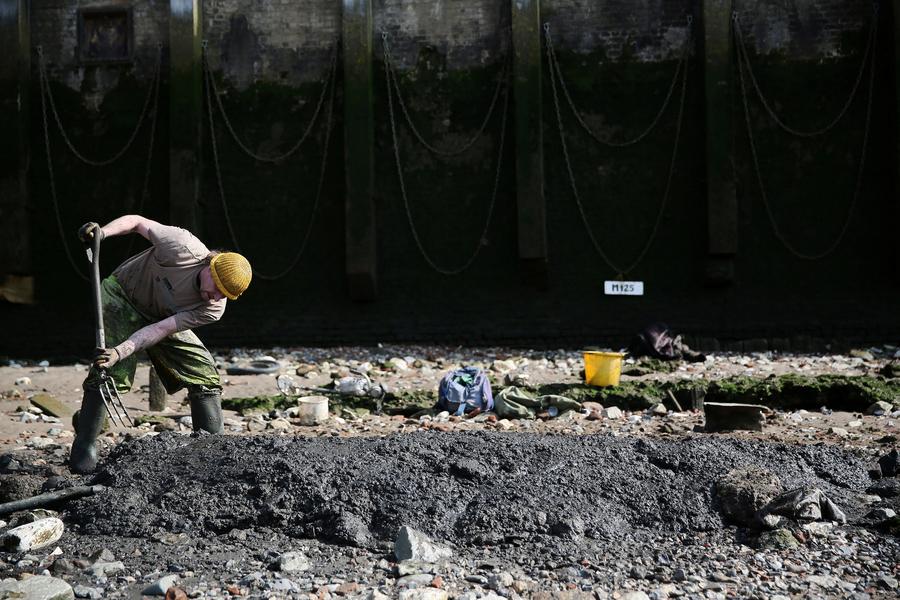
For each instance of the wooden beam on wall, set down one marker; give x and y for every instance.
(531, 208)
(721, 198)
(896, 216)
(15, 151)
(359, 151)
(185, 113)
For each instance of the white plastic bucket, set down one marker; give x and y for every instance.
(313, 410)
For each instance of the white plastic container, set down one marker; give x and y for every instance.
(313, 410)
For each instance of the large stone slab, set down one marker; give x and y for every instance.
(52, 406)
(731, 416)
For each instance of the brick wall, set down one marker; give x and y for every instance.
(803, 29)
(54, 25)
(287, 43)
(284, 41)
(467, 33)
(642, 30)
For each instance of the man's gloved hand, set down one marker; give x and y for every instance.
(87, 232)
(105, 358)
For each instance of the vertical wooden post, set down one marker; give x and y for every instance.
(359, 151)
(157, 392)
(16, 283)
(721, 198)
(896, 216)
(532, 211)
(185, 113)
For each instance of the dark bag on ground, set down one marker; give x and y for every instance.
(658, 341)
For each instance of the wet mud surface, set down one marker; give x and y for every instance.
(465, 489)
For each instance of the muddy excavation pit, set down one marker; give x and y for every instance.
(579, 513)
(465, 489)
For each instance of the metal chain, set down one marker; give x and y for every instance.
(856, 190)
(572, 183)
(744, 56)
(145, 188)
(62, 234)
(262, 158)
(682, 64)
(117, 155)
(319, 186)
(45, 95)
(482, 237)
(389, 64)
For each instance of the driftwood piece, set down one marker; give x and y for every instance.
(32, 536)
(49, 498)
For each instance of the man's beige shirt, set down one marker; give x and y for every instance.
(163, 280)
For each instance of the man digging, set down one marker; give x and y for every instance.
(151, 302)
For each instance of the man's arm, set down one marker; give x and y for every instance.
(129, 224)
(140, 340)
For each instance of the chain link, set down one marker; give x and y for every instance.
(117, 155)
(562, 137)
(682, 64)
(319, 186)
(44, 86)
(145, 189)
(389, 64)
(482, 238)
(262, 158)
(762, 188)
(744, 57)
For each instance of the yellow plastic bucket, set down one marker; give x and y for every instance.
(602, 368)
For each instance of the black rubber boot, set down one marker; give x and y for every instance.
(83, 458)
(206, 408)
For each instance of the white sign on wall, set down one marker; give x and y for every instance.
(623, 288)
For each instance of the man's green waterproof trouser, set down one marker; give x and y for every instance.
(181, 360)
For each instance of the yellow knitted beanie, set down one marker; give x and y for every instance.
(231, 272)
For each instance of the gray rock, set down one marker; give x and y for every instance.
(780, 539)
(890, 464)
(415, 545)
(612, 412)
(83, 591)
(160, 586)
(633, 596)
(879, 408)
(105, 569)
(882, 514)
(38, 587)
(500, 581)
(420, 580)
(414, 567)
(291, 562)
(743, 492)
(887, 582)
(103, 555)
(62, 565)
(428, 593)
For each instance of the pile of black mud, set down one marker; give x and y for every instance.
(464, 488)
